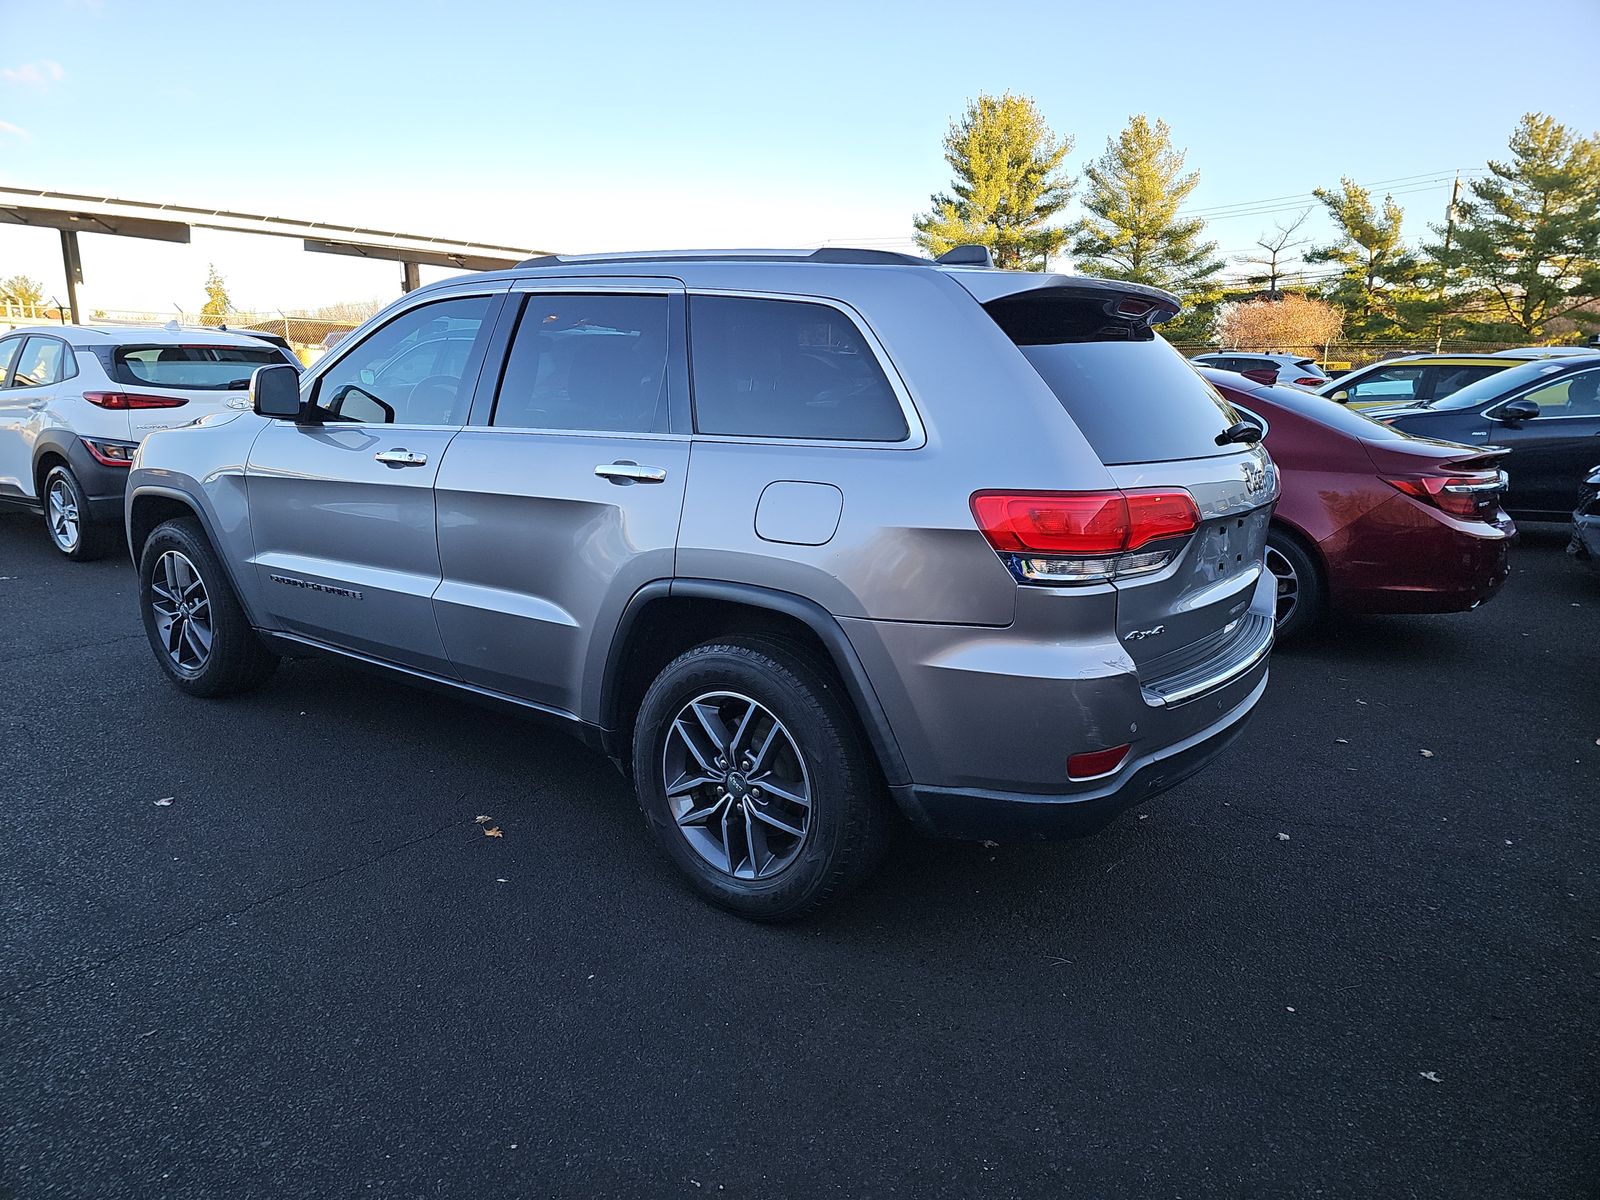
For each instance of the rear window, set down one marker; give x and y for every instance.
(203, 368)
(1133, 396)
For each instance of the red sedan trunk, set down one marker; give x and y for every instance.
(1380, 521)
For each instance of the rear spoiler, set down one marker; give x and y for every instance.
(1128, 300)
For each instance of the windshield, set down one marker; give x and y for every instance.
(1493, 387)
(201, 368)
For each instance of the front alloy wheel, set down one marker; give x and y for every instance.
(62, 513)
(182, 612)
(737, 785)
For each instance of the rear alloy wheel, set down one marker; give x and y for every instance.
(1299, 582)
(755, 779)
(199, 632)
(66, 517)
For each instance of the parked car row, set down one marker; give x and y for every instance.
(797, 539)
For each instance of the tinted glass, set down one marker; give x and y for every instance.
(1448, 380)
(787, 369)
(39, 363)
(1311, 406)
(1498, 385)
(587, 362)
(1133, 396)
(8, 352)
(200, 367)
(410, 371)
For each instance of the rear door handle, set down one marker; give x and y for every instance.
(38, 405)
(400, 458)
(624, 471)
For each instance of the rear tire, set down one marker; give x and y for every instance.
(760, 728)
(66, 518)
(1302, 590)
(199, 632)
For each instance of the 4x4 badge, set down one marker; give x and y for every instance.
(1138, 635)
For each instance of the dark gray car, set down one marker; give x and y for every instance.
(791, 536)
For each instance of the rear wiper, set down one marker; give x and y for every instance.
(1240, 431)
(238, 385)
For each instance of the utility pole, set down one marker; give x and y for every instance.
(1449, 231)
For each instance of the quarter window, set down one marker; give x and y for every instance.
(1395, 383)
(39, 363)
(787, 369)
(411, 371)
(596, 362)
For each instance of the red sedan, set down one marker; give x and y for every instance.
(1371, 519)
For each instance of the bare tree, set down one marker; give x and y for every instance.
(1277, 247)
(1291, 324)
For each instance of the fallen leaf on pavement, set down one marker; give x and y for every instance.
(1427, 754)
(483, 820)
(1431, 1076)
(1283, 837)
(493, 831)
(1342, 741)
(165, 802)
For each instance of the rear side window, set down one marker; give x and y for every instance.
(787, 369)
(200, 367)
(1133, 396)
(587, 362)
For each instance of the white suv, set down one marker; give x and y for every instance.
(76, 401)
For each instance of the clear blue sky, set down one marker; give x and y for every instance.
(625, 125)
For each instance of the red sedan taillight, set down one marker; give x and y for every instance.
(1085, 537)
(1473, 497)
(123, 400)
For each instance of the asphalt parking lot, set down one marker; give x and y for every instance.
(312, 974)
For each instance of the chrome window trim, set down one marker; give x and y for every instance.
(916, 433)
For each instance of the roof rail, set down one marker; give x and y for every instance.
(828, 254)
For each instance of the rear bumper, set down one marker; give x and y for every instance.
(104, 486)
(1015, 816)
(1404, 558)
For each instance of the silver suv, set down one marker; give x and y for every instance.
(796, 538)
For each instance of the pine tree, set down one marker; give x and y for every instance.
(23, 291)
(1526, 249)
(1376, 271)
(1008, 184)
(215, 310)
(1133, 231)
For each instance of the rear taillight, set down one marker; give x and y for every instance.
(1470, 496)
(1310, 381)
(132, 400)
(1085, 537)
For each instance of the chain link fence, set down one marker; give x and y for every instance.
(1345, 355)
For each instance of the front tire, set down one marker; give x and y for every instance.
(754, 778)
(1302, 591)
(199, 632)
(67, 520)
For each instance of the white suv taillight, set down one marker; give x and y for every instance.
(1085, 537)
(121, 400)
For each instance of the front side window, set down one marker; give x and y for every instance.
(596, 362)
(787, 369)
(196, 367)
(1392, 383)
(1451, 379)
(8, 354)
(1574, 396)
(39, 363)
(410, 371)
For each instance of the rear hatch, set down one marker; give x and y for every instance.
(163, 386)
(1184, 604)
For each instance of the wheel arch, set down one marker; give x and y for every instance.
(149, 505)
(666, 617)
(1313, 550)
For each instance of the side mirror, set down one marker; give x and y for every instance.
(275, 392)
(1342, 396)
(1517, 412)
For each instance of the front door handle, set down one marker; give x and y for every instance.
(624, 471)
(400, 458)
